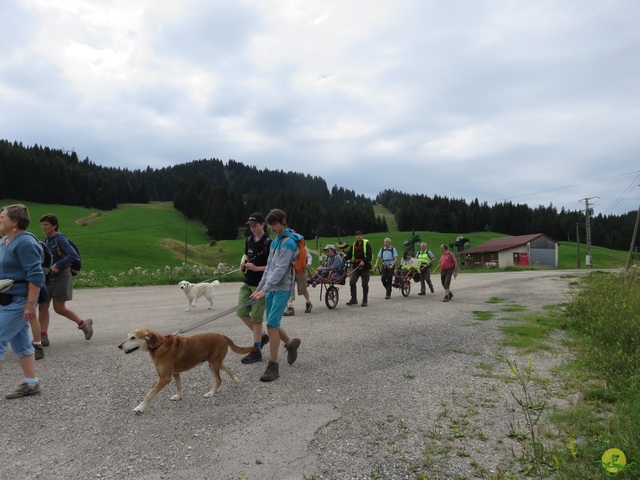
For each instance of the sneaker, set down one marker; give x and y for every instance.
(364, 303)
(264, 340)
(431, 288)
(353, 301)
(450, 295)
(446, 298)
(308, 307)
(289, 312)
(39, 351)
(387, 297)
(422, 293)
(45, 340)
(271, 373)
(24, 390)
(87, 328)
(292, 350)
(253, 357)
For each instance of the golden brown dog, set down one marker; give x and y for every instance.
(173, 354)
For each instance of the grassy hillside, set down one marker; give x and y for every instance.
(380, 211)
(152, 237)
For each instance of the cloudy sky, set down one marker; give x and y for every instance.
(534, 102)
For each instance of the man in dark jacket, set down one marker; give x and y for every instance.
(360, 254)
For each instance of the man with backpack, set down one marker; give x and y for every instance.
(360, 255)
(389, 257)
(276, 286)
(301, 283)
(256, 253)
(59, 281)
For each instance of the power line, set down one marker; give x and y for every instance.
(622, 195)
(567, 186)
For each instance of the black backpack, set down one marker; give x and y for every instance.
(76, 265)
(47, 256)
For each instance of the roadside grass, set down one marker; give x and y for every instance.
(600, 385)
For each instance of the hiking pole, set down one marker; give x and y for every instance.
(216, 316)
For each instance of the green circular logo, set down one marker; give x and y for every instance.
(614, 461)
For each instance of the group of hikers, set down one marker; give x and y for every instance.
(270, 282)
(269, 278)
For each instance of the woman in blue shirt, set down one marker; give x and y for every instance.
(21, 261)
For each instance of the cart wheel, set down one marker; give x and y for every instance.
(331, 297)
(406, 288)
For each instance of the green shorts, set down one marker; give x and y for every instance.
(255, 311)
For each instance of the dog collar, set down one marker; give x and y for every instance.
(166, 340)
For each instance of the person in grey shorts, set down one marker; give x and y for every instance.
(59, 281)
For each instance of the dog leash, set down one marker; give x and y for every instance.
(215, 317)
(222, 274)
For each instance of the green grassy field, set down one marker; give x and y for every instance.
(153, 237)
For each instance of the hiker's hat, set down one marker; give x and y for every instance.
(256, 217)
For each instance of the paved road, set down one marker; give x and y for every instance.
(371, 390)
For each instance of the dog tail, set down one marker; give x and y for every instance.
(215, 283)
(236, 348)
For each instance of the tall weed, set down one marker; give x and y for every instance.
(606, 309)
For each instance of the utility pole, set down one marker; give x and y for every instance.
(588, 211)
(633, 239)
(578, 242)
(186, 238)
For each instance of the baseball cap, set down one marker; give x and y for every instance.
(256, 217)
(330, 246)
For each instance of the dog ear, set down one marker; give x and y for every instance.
(152, 340)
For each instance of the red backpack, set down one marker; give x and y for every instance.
(301, 262)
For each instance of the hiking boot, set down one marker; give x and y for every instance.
(422, 293)
(308, 307)
(24, 390)
(253, 357)
(264, 340)
(292, 350)
(271, 373)
(289, 312)
(87, 328)
(44, 340)
(353, 301)
(39, 351)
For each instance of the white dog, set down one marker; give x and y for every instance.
(194, 291)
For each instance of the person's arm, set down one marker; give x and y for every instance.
(378, 259)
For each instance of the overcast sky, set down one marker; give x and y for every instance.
(534, 102)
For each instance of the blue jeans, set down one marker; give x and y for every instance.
(14, 329)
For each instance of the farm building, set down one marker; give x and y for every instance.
(536, 250)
